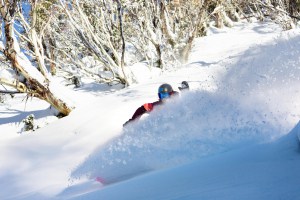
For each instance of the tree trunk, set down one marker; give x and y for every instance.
(52, 57)
(176, 3)
(37, 84)
(187, 49)
(123, 42)
(40, 90)
(159, 55)
(199, 25)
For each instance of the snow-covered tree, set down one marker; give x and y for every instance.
(167, 27)
(284, 12)
(31, 74)
(89, 38)
(96, 28)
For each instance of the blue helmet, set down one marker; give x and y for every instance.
(165, 91)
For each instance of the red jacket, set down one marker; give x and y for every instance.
(146, 108)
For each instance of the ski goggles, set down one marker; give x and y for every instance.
(163, 95)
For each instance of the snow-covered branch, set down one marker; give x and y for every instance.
(35, 81)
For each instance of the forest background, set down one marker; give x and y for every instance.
(100, 39)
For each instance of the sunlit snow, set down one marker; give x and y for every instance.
(232, 136)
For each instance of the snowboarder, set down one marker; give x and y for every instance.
(165, 91)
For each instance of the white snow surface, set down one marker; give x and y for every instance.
(234, 135)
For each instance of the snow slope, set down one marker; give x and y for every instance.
(266, 171)
(229, 137)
